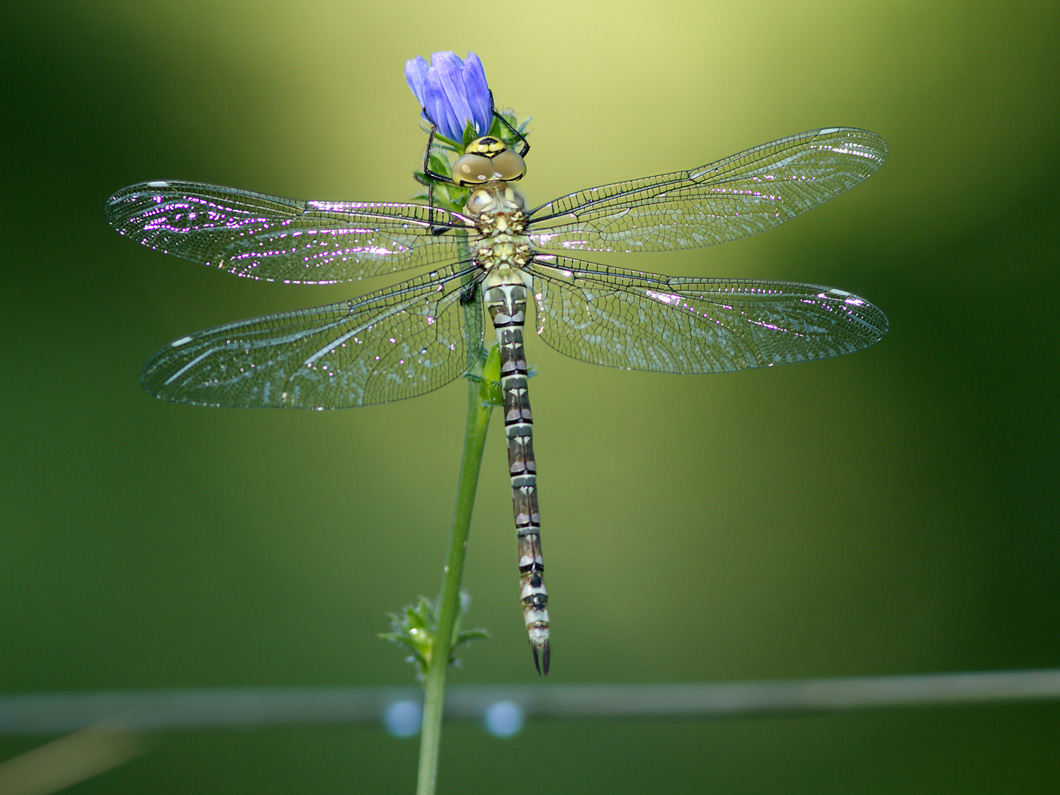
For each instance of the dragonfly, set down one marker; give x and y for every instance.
(495, 258)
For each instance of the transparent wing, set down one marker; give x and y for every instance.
(643, 321)
(386, 346)
(285, 240)
(739, 196)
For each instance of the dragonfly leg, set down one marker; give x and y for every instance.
(427, 173)
(525, 143)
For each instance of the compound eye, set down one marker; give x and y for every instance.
(472, 170)
(508, 165)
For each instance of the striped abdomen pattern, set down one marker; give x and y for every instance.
(506, 303)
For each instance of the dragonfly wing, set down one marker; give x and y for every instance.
(642, 321)
(739, 196)
(286, 240)
(385, 346)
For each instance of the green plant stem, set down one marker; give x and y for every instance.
(478, 415)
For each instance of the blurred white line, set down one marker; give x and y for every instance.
(47, 713)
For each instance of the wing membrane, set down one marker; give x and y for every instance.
(643, 321)
(739, 196)
(389, 345)
(276, 239)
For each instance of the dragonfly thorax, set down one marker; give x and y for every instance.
(497, 207)
(500, 219)
(487, 159)
(504, 254)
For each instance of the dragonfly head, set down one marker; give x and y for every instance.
(487, 159)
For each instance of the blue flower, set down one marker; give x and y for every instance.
(452, 92)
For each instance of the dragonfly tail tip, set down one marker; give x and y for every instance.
(541, 657)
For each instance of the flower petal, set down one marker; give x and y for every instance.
(416, 75)
(452, 92)
(478, 94)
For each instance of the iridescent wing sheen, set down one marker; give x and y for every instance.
(285, 240)
(388, 345)
(644, 321)
(739, 196)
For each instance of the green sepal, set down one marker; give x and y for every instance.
(440, 166)
(470, 134)
(450, 197)
(447, 143)
(415, 626)
(487, 374)
(490, 386)
(498, 130)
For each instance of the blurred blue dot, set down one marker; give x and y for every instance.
(504, 719)
(403, 718)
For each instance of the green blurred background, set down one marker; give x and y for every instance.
(883, 513)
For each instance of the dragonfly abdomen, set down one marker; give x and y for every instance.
(506, 303)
